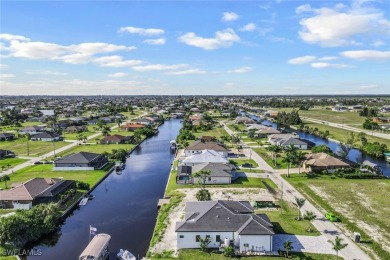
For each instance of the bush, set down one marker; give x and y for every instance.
(229, 251)
(203, 195)
(82, 185)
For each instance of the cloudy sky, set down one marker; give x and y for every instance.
(195, 47)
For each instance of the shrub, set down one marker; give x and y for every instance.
(229, 251)
(203, 195)
(82, 185)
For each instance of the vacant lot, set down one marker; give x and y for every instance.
(31, 148)
(363, 206)
(10, 162)
(217, 132)
(96, 148)
(46, 171)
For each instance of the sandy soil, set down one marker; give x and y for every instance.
(168, 241)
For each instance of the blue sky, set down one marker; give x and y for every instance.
(194, 47)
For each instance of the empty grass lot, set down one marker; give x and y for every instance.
(362, 206)
(217, 132)
(36, 148)
(96, 148)
(46, 171)
(11, 162)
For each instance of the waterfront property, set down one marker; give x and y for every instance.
(205, 156)
(226, 223)
(286, 140)
(220, 173)
(132, 126)
(199, 146)
(34, 191)
(81, 161)
(97, 249)
(116, 139)
(317, 162)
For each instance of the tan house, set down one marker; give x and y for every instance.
(317, 162)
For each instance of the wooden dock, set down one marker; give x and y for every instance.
(162, 202)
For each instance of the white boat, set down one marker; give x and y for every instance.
(125, 255)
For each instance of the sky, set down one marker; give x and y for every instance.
(277, 47)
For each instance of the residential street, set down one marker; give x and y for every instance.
(327, 228)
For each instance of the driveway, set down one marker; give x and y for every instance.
(309, 244)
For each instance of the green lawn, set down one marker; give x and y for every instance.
(73, 136)
(113, 132)
(217, 132)
(284, 221)
(136, 113)
(36, 148)
(267, 157)
(359, 203)
(196, 254)
(46, 171)
(11, 161)
(96, 148)
(240, 162)
(6, 211)
(240, 127)
(171, 186)
(5, 250)
(342, 135)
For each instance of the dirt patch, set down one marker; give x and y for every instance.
(168, 242)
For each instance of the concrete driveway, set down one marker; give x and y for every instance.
(309, 244)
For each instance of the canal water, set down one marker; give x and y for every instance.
(125, 206)
(354, 155)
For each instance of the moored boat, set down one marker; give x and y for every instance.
(125, 255)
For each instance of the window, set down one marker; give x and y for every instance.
(197, 239)
(207, 236)
(218, 238)
(246, 245)
(181, 236)
(209, 178)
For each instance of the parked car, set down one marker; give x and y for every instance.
(331, 217)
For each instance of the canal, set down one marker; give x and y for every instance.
(354, 155)
(125, 206)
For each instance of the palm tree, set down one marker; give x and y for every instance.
(259, 142)
(288, 247)
(299, 158)
(309, 216)
(225, 138)
(5, 178)
(202, 175)
(235, 139)
(289, 158)
(275, 149)
(119, 121)
(106, 130)
(337, 245)
(299, 202)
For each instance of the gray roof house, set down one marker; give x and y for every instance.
(199, 146)
(46, 137)
(220, 173)
(7, 136)
(226, 223)
(80, 162)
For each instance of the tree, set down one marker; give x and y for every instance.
(288, 247)
(337, 245)
(202, 175)
(275, 149)
(259, 142)
(5, 178)
(299, 202)
(204, 243)
(309, 216)
(363, 138)
(119, 121)
(299, 158)
(251, 133)
(106, 130)
(203, 195)
(228, 251)
(289, 158)
(235, 139)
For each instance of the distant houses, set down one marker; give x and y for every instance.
(116, 139)
(7, 137)
(6, 154)
(32, 130)
(46, 137)
(132, 126)
(34, 191)
(82, 161)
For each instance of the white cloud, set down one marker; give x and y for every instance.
(229, 16)
(116, 61)
(141, 31)
(76, 58)
(12, 37)
(223, 38)
(7, 76)
(303, 8)
(241, 70)
(45, 72)
(250, 27)
(117, 75)
(159, 67)
(99, 47)
(368, 86)
(3, 66)
(326, 58)
(378, 43)
(186, 72)
(36, 50)
(324, 65)
(159, 41)
(333, 27)
(367, 55)
(302, 60)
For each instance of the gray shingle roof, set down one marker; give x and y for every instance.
(199, 145)
(224, 216)
(81, 157)
(216, 169)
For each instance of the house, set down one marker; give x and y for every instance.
(288, 141)
(116, 139)
(195, 117)
(37, 190)
(275, 137)
(220, 173)
(381, 119)
(132, 126)
(317, 162)
(46, 137)
(32, 130)
(6, 154)
(81, 161)
(245, 120)
(7, 137)
(144, 121)
(76, 129)
(199, 146)
(204, 156)
(226, 223)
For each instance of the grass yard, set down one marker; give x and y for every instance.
(342, 135)
(137, 112)
(217, 132)
(267, 156)
(11, 162)
(96, 148)
(240, 162)
(113, 132)
(284, 220)
(5, 251)
(361, 205)
(36, 148)
(240, 127)
(196, 254)
(6, 211)
(46, 171)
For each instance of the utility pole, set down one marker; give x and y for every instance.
(250, 160)
(28, 148)
(54, 148)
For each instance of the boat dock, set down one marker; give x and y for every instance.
(162, 202)
(83, 202)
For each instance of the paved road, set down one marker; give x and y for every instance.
(346, 127)
(32, 160)
(327, 228)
